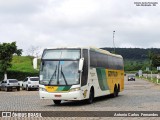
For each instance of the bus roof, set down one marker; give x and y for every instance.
(105, 52)
(90, 48)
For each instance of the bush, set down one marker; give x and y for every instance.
(1, 76)
(19, 75)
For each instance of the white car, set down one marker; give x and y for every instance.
(30, 83)
(9, 84)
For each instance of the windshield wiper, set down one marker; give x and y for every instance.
(64, 76)
(54, 74)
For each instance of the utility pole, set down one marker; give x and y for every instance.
(113, 42)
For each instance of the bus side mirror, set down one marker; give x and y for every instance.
(42, 64)
(81, 61)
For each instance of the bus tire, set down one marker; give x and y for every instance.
(57, 102)
(115, 93)
(91, 96)
(118, 90)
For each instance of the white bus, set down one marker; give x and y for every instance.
(80, 74)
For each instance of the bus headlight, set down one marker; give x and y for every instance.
(42, 89)
(74, 89)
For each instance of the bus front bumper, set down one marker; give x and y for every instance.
(75, 95)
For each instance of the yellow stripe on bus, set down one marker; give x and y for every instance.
(51, 88)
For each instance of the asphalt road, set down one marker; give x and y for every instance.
(139, 95)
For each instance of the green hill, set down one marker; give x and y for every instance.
(135, 58)
(22, 63)
(134, 53)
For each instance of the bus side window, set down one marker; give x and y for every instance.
(85, 68)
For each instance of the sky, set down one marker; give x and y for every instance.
(80, 23)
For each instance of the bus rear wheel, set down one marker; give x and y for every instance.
(115, 93)
(57, 102)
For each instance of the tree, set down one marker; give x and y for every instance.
(33, 51)
(156, 60)
(7, 50)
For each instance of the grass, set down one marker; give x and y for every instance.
(22, 63)
(154, 80)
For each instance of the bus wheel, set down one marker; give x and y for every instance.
(118, 90)
(115, 93)
(91, 96)
(57, 102)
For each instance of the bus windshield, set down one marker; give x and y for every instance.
(59, 72)
(61, 54)
(60, 67)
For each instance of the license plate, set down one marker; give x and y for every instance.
(57, 95)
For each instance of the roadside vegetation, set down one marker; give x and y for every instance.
(7, 50)
(13, 65)
(22, 67)
(22, 63)
(153, 79)
(136, 59)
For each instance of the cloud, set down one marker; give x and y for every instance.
(55, 23)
